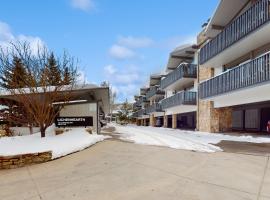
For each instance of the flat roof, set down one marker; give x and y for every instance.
(89, 92)
(155, 79)
(183, 53)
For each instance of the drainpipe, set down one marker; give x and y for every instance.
(97, 118)
(198, 92)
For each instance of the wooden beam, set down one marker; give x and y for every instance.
(217, 27)
(182, 57)
(190, 52)
(155, 78)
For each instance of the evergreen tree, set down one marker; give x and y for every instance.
(66, 76)
(19, 75)
(125, 112)
(16, 77)
(54, 76)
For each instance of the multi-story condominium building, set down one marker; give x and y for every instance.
(139, 107)
(179, 84)
(234, 68)
(149, 111)
(170, 99)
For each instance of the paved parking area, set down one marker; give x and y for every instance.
(116, 170)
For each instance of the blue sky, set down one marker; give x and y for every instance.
(121, 41)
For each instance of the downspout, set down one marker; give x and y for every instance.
(97, 118)
(198, 91)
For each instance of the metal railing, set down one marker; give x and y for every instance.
(184, 70)
(153, 108)
(250, 20)
(181, 98)
(139, 102)
(248, 74)
(139, 113)
(155, 90)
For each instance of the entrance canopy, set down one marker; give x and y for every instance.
(89, 93)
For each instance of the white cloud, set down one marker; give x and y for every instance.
(82, 78)
(84, 5)
(6, 37)
(176, 41)
(124, 48)
(121, 52)
(135, 42)
(125, 82)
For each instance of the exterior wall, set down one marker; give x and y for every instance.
(165, 121)
(81, 110)
(213, 120)
(210, 119)
(20, 131)
(152, 120)
(174, 121)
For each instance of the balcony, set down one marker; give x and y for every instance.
(139, 113)
(154, 91)
(139, 102)
(252, 74)
(181, 76)
(239, 29)
(153, 108)
(181, 98)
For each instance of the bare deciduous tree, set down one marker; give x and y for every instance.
(38, 96)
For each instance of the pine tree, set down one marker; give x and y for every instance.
(66, 76)
(16, 77)
(19, 75)
(54, 77)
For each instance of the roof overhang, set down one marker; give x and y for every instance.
(155, 79)
(143, 91)
(88, 93)
(184, 53)
(224, 13)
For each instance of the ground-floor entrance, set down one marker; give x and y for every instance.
(180, 121)
(186, 120)
(251, 117)
(169, 122)
(159, 121)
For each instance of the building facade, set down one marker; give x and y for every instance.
(220, 84)
(170, 98)
(234, 68)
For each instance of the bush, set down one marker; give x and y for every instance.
(89, 130)
(59, 131)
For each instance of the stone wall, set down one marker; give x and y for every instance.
(212, 119)
(152, 120)
(205, 73)
(165, 121)
(174, 121)
(11, 162)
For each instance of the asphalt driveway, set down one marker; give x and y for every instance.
(120, 170)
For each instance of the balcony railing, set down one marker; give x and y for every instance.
(253, 18)
(153, 108)
(139, 102)
(139, 113)
(248, 74)
(154, 91)
(183, 71)
(181, 98)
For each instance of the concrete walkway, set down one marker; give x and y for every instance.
(119, 170)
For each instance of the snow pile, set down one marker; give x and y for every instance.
(71, 141)
(180, 139)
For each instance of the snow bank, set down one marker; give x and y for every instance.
(180, 139)
(71, 141)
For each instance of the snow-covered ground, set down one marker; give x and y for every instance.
(71, 141)
(180, 139)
